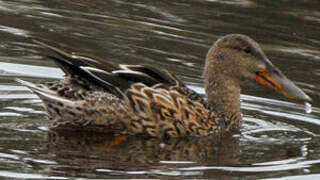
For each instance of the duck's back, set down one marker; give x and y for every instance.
(123, 99)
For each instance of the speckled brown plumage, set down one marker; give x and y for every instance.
(140, 99)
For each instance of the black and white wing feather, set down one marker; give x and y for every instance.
(115, 79)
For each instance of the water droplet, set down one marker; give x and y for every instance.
(162, 145)
(308, 108)
(306, 171)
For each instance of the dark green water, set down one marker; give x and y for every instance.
(278, 139)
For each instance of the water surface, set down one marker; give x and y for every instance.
(278, 139)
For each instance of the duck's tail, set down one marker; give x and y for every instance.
(62, 112)
(45, 93)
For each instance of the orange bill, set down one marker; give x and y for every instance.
(277, 81)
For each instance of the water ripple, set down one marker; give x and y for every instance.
(14, 31)
(277, 138)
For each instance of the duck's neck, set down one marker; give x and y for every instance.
(224, 99)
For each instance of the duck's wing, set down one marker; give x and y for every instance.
(115, 79)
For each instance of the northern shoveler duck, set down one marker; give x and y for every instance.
(141, 99)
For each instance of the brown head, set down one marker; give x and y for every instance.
(238, 58)
(234, 59)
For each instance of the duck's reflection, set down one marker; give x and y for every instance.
(131, 149)
(91, 155)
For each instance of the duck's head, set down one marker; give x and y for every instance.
(238, 58)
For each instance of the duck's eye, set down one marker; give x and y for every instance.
(247, 50)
